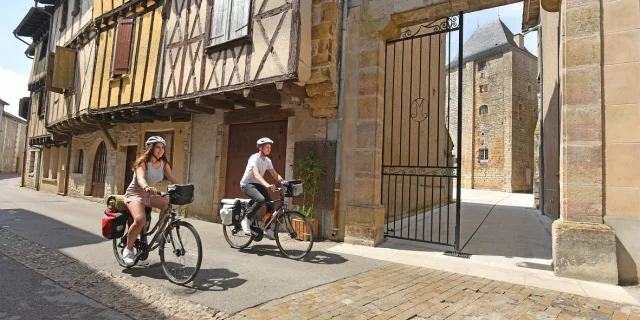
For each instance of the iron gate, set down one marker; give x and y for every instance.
(420, 134)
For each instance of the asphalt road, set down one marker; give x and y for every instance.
(229, 280)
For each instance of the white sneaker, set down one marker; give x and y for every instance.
(128, 257)
(269, 235)
(245, 223)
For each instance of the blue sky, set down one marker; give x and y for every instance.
(15, 67)
(511, 15)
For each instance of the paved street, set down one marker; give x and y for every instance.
(55, 252)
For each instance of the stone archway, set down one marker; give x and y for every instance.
(98, 167)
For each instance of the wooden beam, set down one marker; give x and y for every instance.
(240, 100)
(291, 89)
(206, 102)
(257, 115)
(107, 136)
(148, 115)
(117, 117)
(262, 96)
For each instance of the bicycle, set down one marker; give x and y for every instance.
(285, 234)
(169, 234)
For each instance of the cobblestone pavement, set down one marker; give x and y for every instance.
(390, 292)
(406, 292)
(136, 300)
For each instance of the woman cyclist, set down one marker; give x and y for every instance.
(149, 169)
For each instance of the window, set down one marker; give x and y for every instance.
(122, 47)
(80, 161)
(6, 163)
(482, 65)
(520, 111)
(41, 107)
(43, 48)
(32, 161)
(76, 7)
(231, 20)
(9, 142)
(484, 109)
(529, 88)
(484, 87)
(63, 15)
(484, 155)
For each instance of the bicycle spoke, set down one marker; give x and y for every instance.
(294, 235)
(182, 260)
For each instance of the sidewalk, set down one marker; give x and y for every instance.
(58, 237)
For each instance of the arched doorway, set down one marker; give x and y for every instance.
(99, 171)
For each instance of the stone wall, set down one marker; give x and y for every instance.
(30, 178)
(524, 92)
(322, 88)
(621, 59)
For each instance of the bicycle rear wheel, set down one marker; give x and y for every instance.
(118, 246)
(183, 257)
(294, 234)
(235, 237)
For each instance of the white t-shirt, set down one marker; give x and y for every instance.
(255, 161)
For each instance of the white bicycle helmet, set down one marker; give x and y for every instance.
(264, 140)
(153, 140)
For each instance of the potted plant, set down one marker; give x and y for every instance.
(310, 171)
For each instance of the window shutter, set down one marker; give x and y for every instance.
(219, 27)
(240, 14)
(64, 70)
(23, 110)
(50, 71)
(76, 7)
(122, 49)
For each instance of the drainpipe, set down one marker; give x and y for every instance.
(25, 54)
(343, 40)
(26, 143)
(541, 106)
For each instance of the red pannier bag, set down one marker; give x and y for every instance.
(114, 224)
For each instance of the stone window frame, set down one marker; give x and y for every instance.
(483, 155)
(484, 108)
(484, 88)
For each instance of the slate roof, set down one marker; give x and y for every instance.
(490, 38)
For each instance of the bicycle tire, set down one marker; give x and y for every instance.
(287, 217)
(117, 251)
(168, 235)
(228, 235)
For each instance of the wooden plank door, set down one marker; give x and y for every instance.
(99, 171)
(132, 152)
(242, 144)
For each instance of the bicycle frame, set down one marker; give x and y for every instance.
(166, 218)
(276, 213)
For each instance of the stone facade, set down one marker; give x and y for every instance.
(32, 168)
(322, 87)
(504, 83)
(12, 136)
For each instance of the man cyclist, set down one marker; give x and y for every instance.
(255, 187)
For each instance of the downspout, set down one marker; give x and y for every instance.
(25, 54)
(343, 40)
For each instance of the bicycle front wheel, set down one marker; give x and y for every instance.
(180, 252)
(294, 234)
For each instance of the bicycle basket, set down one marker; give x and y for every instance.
(180, 194)
(293, 188)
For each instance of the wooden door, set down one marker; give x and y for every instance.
(99, 171)
(242, 144)
(132, 152)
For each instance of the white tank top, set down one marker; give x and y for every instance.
(152, 175)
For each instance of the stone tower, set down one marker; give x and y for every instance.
(499, 110)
